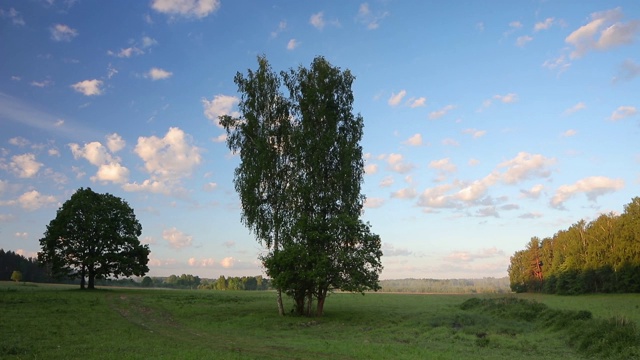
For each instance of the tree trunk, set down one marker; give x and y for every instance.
(92, 278)
(320, 308)
(279, 300)
(82, 274)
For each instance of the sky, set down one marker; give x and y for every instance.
(486, 122)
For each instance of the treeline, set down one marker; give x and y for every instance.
(447, 286)
(601, 256)
(188, 281)
(29, 268)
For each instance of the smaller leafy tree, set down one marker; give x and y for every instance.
(16, 276)
(94, 236)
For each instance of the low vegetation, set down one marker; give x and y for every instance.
(61, 322)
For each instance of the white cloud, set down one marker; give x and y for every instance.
(603, 32)
(569, 133)
(205, 262)
(282, 25)
(575, 108)
(148, 42)
(218, 106)
(370, 169)
(450, 142)
(176, 238)
(396, 163)
(113, 172)
(468, 256)
(521, 41)
(210, 186)
(531, 215)
(115, 142)
(88, 87)
(373, 202)
(369, 18)
(623, 112)
(33, 200)
(387, 181)
(509, 98)
(475, 133)
(126, 53)
(220, 138)
(395, 99)
(228, 262)
(22, 235)
(419, 102)
(158, 74)
(61, 32)
(560, 63)
(25, 165)
(415, 140)
(19, 141)
(534, 192)
(317, 20)
(543, 25)
(41, 84)
(292, 44)
(390, 250)
(152, 186)
(94, 152)
(169, 158)
(187, 8)
(406, 193)
(440, 113)
(592, 187)
(14, 15)
(444, 167)
(515, 24)
(525, 166)
(473, 162)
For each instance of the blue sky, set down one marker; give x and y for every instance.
(486, 122)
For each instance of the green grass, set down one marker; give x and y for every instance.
(59, 322)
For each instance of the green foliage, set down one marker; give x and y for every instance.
(16, 276)
(94, 236)
(447, 286)
(299, 180)
(601, 256)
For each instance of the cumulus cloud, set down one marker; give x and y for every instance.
(176, 238)
(440, 113)
(25, 165)
(205, 262)
(396, 99)
(109, 167)
(167, 159)
(158, 74)
(603, 32)
(32, 200)
(419, 102)
(373, 202)
(61, 32)
(592, 187)
(444, 167)
(292, 44)
(531, 215)
(88, 87)
(469, 256)
(575, 108)
(560, 64)
(623, 112)
(521, 41)
(14, 15)
(415, 140)
(387, 181)
(475, 133)
(228, 262)
(19, 141)
(396, 163)
(543, 25)
(525, 166)
(317, 20)
(533, 193)
(370, 169)
(406, 193)
(210, 186)
(115, 142)
(186, 8)
(218, 106)
(569, 133)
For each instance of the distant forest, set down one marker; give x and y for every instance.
(447, 286)
(601, 256)
(33, 272)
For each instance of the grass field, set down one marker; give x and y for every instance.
(57, 322)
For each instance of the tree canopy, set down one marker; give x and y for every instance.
(94, 236)
(598, 256)
(299, 180)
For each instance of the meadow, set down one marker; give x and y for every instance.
(39, 321)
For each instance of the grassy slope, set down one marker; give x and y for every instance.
(61, 323)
